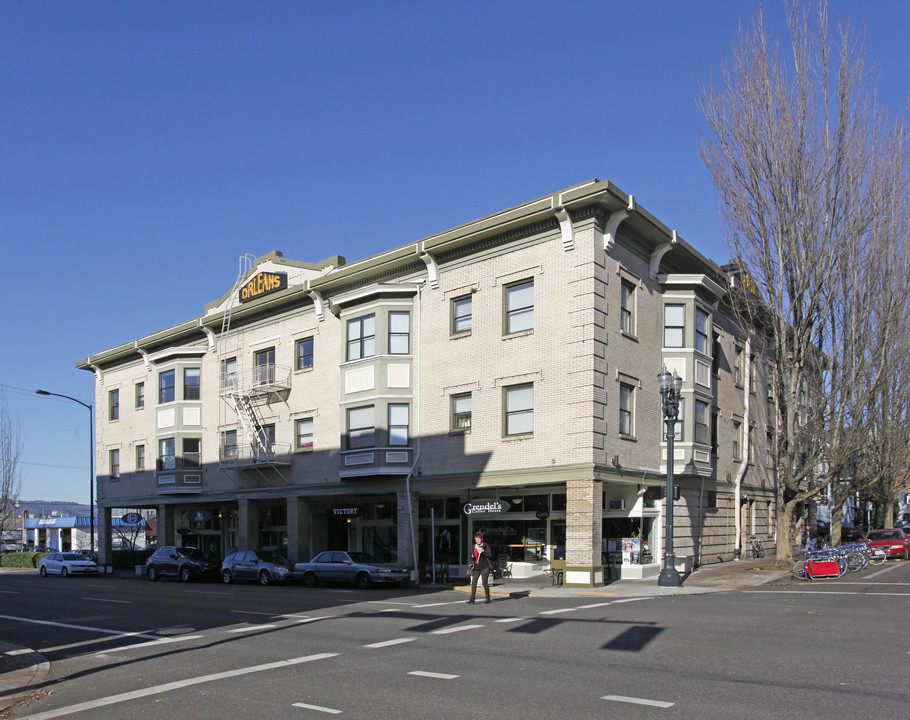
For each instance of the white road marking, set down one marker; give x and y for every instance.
(448, 631)
(122, 602)
(832, 592)
(421, 673)
(331, 711)
(593, 605)
(512, 619)
(638, 701)
(558, 611)
(168, 687)
(387, 643)
(252, 628)
(137, 646)
(81, 627)
(252, 612)
(437, 604)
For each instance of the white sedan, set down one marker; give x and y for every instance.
(67, 563)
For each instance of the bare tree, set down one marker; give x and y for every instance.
(10, 466)
(812, 179)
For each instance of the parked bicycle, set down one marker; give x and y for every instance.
(757, 547)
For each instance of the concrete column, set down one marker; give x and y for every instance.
(406, 526)
(165, 525)
(300, 523)
(248, 524)
(584, 530)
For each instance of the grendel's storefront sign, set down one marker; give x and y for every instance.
(263, 284)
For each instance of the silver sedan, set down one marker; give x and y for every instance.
(67, 563)
(359, 568)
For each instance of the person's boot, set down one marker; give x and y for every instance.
(487, 601)
(471, 601)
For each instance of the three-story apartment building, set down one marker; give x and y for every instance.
(501, 376)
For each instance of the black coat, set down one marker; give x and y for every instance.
(486, 557)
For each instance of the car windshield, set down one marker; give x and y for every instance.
(888, 535)
(362, 557)
(273, 557)
(191, 553)
(73, 556)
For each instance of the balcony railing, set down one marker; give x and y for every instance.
(260, 379)
(256, 456)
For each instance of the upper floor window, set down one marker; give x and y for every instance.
(701, 330)
(167, 454)
(399, 333)
(140, 395)
(519, 415)
(738, 367)
(192, 457)
(229, 374)
(265, 366)
(674, 325)
(679, 427)
(737, 440)
(140, 457)
(265, 448)
(627, 307)
(626, 409)
(113, 398)
(398, 424)
(461, 411)
(462, 309)
(701, 422)
(304, 433)
(361, 427)
(166, 380)
(361, 337)
(229, 445)
(115, 463)
(304, 354)
(191, 383)
(520, 307)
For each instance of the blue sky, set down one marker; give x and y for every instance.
(146, 146)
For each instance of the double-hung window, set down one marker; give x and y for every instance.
(361, 337)
(265, 366)
(461, 411)
(361, 427)
(626, 409)
(674, 325)
(399, 333)
(167, 456)
(229, 375)
(191, 383)
(701, 330)
(113, 398)
(627, 307)
(701, 422)
(304, 354)
(229, 445)
(140, 457)
(166, 384)
(520, 307)
(398, 424)
(140, 395)
(191, 456)
(115, 463)
(304, 433)
(519, 415)
(462, 310)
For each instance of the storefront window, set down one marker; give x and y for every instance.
(515, 540)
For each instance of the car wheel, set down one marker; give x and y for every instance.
(43, 571)
(264, 577)
(310, 580)
(185, 575)
(64, 572)
(226, 577)
(152, 573)
(363, 581)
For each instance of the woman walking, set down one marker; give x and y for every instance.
(482, 559)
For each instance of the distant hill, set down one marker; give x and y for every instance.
(47, 508)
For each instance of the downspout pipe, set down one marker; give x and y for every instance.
(415, 576)
(741, 472)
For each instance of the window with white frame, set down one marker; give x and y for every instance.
(115, 463)
(304, 354)
(519, 307)
(701, 330)
(113, 400)
(264, 361)
(166, 385)
(361, 427)
(140, 395)
(519, 409)
(399, 332)
(461, 411)
(191, 378)
(192, 457)
(229, 445)
(398, 424)
(627, 307)
(361, 338)
(674, 325)
(140, 457)
(462, 309)
(678, 429)
(626, 409)
(702, 434)
(167, 454)
(304, 433)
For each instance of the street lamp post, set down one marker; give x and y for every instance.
(91, 465)
(670, 387)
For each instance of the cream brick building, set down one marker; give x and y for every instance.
(512, 361)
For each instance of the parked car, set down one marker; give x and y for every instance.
(892, 542)
(265, 566)
(67, 563)
(359, 568)
(187, 563)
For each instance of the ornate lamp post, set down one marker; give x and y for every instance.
(670, 387)
(91, 465)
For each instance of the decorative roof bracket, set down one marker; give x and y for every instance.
(432, 269)
(659, 253)
(616, 217)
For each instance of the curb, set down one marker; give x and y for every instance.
(21, 668)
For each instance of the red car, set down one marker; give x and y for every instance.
(892, 542)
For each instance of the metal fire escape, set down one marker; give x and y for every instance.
(244, 392)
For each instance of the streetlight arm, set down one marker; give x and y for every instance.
(47, 392)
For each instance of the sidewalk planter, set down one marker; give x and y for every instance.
(583, 577)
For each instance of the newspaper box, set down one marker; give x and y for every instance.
(817, 569)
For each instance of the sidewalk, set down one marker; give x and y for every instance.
(20, 669)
